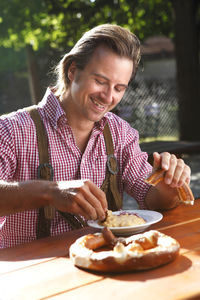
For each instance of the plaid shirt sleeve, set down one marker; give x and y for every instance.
(19, 160)
(134, 167)
(7, 151)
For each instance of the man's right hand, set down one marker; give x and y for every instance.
(81, 197)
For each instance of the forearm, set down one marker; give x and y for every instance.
(21, 196)
(76, 196)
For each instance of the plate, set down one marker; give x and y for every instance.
(151, 217)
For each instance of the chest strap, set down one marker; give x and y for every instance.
(45, 171)
(109, 185)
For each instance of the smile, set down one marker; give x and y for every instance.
(97, 104)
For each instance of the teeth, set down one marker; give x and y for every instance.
(96, 103)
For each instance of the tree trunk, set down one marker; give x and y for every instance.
(187, 58)
(34, 81)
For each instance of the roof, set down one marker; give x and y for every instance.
(157, 46)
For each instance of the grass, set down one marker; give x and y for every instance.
(159, 138)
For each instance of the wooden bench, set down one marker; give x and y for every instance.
(176, 147)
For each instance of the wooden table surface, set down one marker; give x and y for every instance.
(43, 270)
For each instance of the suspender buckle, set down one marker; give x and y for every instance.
(45, 171)
(114, 172)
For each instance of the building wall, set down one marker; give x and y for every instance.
(164, 68)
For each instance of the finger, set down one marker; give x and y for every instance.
(96, 205)
(188, 181)
(185, 176)
(78, 210)
(169, 175)
(165, 160)
(156, 160)
(87, 199)
(68, 203)
(84, 203)
(178, 172)
(88, 196)
(99, 194)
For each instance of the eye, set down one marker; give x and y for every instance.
(120, 89)
(99, 81)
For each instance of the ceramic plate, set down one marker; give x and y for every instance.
(151, 217)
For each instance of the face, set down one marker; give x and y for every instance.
(100, 86)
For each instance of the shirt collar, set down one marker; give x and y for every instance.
(101, 124)
(52, 108)
(54, 112)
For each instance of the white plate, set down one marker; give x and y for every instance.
(151, 217)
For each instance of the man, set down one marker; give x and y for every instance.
(92, 79)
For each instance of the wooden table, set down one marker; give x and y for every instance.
(43, 270)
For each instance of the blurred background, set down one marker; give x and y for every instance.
(162, 102)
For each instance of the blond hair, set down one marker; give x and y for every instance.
(120, 40)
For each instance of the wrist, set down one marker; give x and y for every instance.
(47, 192)
(162, 197)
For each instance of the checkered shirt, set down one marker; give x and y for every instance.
(19, 160)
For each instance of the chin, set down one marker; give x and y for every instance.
(96, 118)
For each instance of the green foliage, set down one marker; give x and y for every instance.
(59, 23)
(27, 22)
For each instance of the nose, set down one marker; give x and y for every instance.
(107, 95)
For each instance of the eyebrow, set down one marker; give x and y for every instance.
(102, 76)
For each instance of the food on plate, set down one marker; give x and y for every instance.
(123, 219)
(184, 192)
(119, 254)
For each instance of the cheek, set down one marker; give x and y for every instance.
(118, 98)
(93, 89)
(114, 104)
(74, 88)
(78, 86)
(86, 86)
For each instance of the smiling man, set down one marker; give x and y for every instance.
(94, 91)
(80, 130)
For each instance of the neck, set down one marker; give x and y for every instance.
(81, 134)
(81, 127)
(75, 118)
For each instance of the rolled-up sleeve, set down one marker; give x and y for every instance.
(7, 152)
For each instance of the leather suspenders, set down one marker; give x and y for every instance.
(109, 185)
(45, 171)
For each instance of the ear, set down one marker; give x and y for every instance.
(71, 71)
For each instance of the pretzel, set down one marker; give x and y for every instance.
(184, 192)
(138, 252)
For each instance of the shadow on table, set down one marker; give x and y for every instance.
(180, 265)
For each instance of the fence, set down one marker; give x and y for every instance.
(151, 107)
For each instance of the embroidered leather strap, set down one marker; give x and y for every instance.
(109, 185)
(45, 171)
